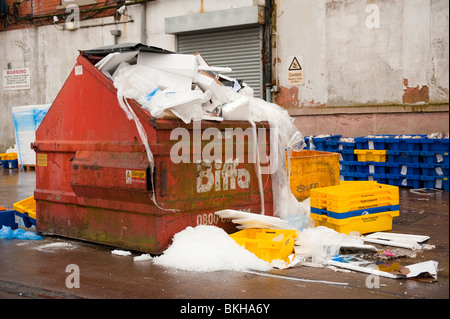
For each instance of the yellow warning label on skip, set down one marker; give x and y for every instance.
(135, 176)
(41, 160)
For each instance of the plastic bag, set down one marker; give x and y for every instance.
(135, 83)
(321, 243)
(7, 233)
(187, 105)
(284, 136)
(26, 235)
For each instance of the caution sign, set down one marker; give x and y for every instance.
(135, 177)
(295, 71)
(41, 160)
(295, 65)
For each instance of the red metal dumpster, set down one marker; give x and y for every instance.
(93, 176)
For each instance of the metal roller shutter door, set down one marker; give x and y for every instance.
(239, 49)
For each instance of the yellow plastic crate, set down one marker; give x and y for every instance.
(312, 169)
(363, 224)
(354, 190)
(371, 155)
(354, 195)
(26, 206)
(357, 205)
(261, 242)
(8, 156)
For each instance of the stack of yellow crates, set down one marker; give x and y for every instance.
(360, 206)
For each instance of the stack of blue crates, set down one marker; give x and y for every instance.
(434, 163)
(371, 170)
(346, 148)
(320, 142)
(415, 161)
(354, 170)
(404, 160)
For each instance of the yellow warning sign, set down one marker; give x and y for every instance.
(295, 71)
(138, 174)
(41, 160)
(135, 176)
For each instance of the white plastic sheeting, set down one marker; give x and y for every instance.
(179, 84)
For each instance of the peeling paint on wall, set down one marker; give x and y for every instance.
(415, 94)
(288, 97)
(313, 103)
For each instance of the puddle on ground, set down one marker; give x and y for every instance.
(409, 217)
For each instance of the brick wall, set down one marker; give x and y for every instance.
(32, 13)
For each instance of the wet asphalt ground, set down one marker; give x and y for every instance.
(61, 268)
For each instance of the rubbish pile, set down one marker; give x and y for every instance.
(182, 85)
(208, 248)
(185, 86)
(271, 242)
(170, 85)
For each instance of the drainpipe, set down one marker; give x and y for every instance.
(143, 31)
(268, 92)
(267, 50)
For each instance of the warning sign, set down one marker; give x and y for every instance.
(295, 71)
(135, 176)
(41, 160)
(16, 79)
(295, 65)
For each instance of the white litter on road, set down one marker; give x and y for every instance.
(54, 246)
(143, 257)
(208, 248)
(119, 252)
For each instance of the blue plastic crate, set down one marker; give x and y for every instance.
(353, 213)
(10, 164)
(434, 169)
(403, 168)
(354, 176)
(338, 145)
(347, 166)
(372, 142)
(348, 155)
(346, 145)
(412, 181)
(437, 157)
(435, 182)
(332, 145)
(406, 144)
(27, 220)
(14, 163)
(347, 176)
(403, 156)
(7, 218)
(380, 178)
(435, 144)
(371, 167)
(320, 142)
